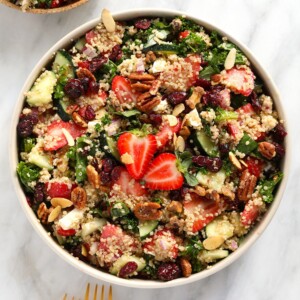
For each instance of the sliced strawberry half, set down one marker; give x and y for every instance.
(254, 165)
(249, 214)
(55, 189)
(207, 210)
(163, 174)
(246, 109)
(89, 36)
(166, 134)
(239, 80)
(139, 149)
(67, 232)
(122, 88)
(55, 138)
(127, 184)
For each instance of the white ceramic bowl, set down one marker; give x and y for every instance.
(137, 283)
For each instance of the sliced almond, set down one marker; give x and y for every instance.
(235, 161)
(63, 202)
(68, 137)
(230, 59)
(108, 20)
(54, 214)
(213, 242)
(126, 159)
(178, 109)
(180, 144)
(84, 251)
(172, 120)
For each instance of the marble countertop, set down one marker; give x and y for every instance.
(270, 269)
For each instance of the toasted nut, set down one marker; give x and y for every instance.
(140, 87)
(147, 211)
(146, 102)
(83, 72)
(216, 78)
(199, 190)
(79, 120)
(195, 97)
(78, 197)
(84, 251)
(180, 144)
(178, 109)
(172, 120)
(246, 186)
(43, 213)
(213, 242)
(267, 150)
(185, 132)
(68, 137)
(175, 207)
(104, 189)
(150, 57)
(108, 20)
(243, 163)
(62, 202)
(54, 214)
(93, 176)
(230, 59)
(213, 195)
(235, 161)
(176, 223)
(127, 159)
(141, 77)
(186, 267)
(228, 193)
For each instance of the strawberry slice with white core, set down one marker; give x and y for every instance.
(122, 88)
(128, 185)
(166, 132)
(239, 80)
(202, 211)
(57, 189)
(250, 213)
(56, 137)
(136, 152)
(163, 173)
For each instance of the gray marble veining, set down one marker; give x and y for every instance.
(270, 269)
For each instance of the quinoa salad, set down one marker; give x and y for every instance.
(44, 4)
(149, 148)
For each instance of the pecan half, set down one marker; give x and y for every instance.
(79, 120)
(78, 197)
(150, 57)
(43, 213)
(141, 87)
(246, 186)
(93, 176)
(186, 267)
(83, 72)
(146, 102)
(147, 211)
(175, 207)
(212, 195)
(141, 77)
(185, 132)
(267, 150)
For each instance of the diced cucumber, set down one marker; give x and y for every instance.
(246, 144)
(211, 180)
(123, 260)
(119, 209)
(213, 255)
(62, 105)
(40, 159)
(63, 60)
(220, 227)
(79, 45)
(109, 145)
(206, 144)
(90, 227)
(158, 34)
(42, 90)
(162, 49)
(146, 227)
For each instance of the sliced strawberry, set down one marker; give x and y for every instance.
(122, 88)
(63, 232)
(89, 36)
(127, 184)
(184, 34)
(56, 3)
(207, 210)
(254, 165)
(55, 189)
(195, 61)
(233, 129)
(140, 149)
(239, 80)
(163, 241)
(163, 174)
(111, 230)
(166, 134)
(55, 138)
(83, 64)
(261, 137)
(249, 214)
(246, 109)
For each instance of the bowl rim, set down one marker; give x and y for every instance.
(96, 273)
(44, 10)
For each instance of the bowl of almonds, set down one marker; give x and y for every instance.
(150, 148)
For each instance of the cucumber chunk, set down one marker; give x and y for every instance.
(92, 226)
(39, 159)
(162, 49)
(42, 90)
(109, 145)
(220, 227)
(213, 255)
(62, 109)
(79, 45)
(211, 180)
(146, 227)
(123, 260)
(246, 144)
(63, 60)
(206, 144)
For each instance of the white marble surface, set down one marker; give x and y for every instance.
(270, 269)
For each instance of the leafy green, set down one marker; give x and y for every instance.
(184, 162)
(106, 119)
(246, 144)
(215, 38)
(130, 223)
(108, 68)
(192, 43)
(207, 72)
(62, 79)
(192, 248)
(238, 100)
(119, 209)
(128, 113)
(28, 173)
(225, 115)
(27, 144)
(161, 24)
(188, 24)
(227, 167)
(72, 241)
(268, 186)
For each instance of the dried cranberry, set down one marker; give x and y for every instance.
(26, 124)
(85, 81)
(97, 63)
(279, 133)
(105, 177)
(203, 83)
(128, 269)
(255, 102)
(108, 165)
(93, 88)
(213, 96)
(116, 53)
(175, 195)
(213, 164)
(224, 149)
(77, 252)
(280, 151)
(116, 173)
(39, 193)
(74, 88)
(168, 271)
(155, 119)
(177, 97)
(142, 24)
(89, 114)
